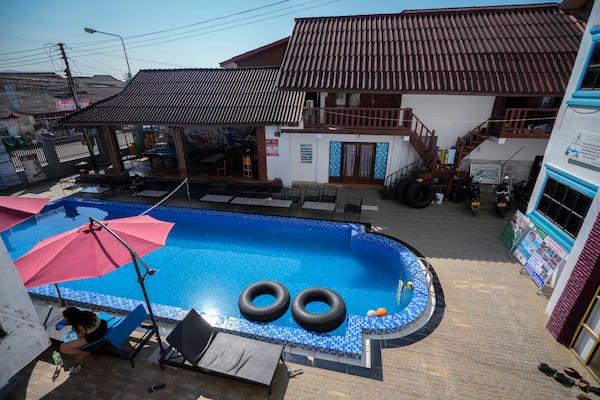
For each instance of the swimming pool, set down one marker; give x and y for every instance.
(210, 257)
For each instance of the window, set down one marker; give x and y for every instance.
(563, 205)
(588, 88)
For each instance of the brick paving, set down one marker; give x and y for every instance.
(488, 343)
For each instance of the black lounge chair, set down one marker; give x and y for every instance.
(195, 345)
(353, 206)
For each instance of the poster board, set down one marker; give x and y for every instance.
(487, 173)
(540, 255)
(547, 258)
(515, 230)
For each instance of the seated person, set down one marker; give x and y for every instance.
(137, 184)
(88, 327)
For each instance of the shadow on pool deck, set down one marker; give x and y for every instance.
(487, 344)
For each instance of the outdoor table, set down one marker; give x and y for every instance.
(151, 193)
(318, 206)
(266, 202)
(95, 190)
(216, 198)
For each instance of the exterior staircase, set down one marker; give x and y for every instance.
(469, 142)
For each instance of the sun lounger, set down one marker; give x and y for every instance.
(118, 335)
(195, 345)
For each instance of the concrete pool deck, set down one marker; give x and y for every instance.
(486, 345)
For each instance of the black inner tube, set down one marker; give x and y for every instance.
(323, 322)
(267, 313)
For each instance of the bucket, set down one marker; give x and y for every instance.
(439, 198)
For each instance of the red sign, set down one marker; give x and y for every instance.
(272, 146)
(69, 105)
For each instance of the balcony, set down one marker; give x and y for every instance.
(524, 123)
(393, 120)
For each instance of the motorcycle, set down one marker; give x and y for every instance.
(474, 195)
(520, 195)
(503, 198)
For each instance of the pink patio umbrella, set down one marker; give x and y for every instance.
(14, 210)
(93, 250)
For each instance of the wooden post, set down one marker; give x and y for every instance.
(113, 149)
(180, 151)
(261, 151)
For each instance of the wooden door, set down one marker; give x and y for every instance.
(358, 162)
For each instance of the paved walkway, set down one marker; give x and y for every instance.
(487, 345)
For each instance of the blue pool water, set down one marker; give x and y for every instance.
(210, 257)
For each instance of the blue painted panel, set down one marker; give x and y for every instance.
(335, 158)
(381, 160)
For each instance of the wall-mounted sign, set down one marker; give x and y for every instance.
(487, 173)
(272, 147)
(584, 150)
(306, 153)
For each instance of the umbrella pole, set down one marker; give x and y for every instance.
(150, 312)
(134, 258)
(62, 301)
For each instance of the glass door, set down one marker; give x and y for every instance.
(587, 337)
(358, 162)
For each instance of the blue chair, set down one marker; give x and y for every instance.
(118, 335)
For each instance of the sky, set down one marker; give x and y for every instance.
(162, 34)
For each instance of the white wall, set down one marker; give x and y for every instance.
(288, 168)
(25, 338)
(571, 122)
(450, 116)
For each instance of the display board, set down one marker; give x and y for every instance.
(515, 230)
(540, 255)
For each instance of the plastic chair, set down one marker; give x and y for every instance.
(329, 194)
(223, 167)
(353, 206)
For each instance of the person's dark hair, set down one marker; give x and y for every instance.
(75, 316)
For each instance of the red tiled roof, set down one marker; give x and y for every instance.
(255, 52)
(502, 50)
(240, 96)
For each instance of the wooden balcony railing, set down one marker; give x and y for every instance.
(525, 122)
(366, 118)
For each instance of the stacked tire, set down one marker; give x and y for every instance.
(415, 193)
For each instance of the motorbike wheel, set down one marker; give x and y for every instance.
(501, 211)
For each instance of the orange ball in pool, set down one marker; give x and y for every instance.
(381, 312)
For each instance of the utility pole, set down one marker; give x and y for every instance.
(86, 137)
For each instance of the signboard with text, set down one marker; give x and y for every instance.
(272, 147)
(515, 230)
(69, 105)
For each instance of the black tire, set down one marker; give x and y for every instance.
(324, 322)
(419, 194)
(501, 211)
(401, 188)
(268, 313)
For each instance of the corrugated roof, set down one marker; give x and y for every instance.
(178, 97)
(501, 50)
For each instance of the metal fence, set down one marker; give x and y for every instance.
(66, 150)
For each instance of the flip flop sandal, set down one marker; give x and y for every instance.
(572, 373)
(584, 385)
(595, 390)
(546, 369)
(296, 372)
(564, 380)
